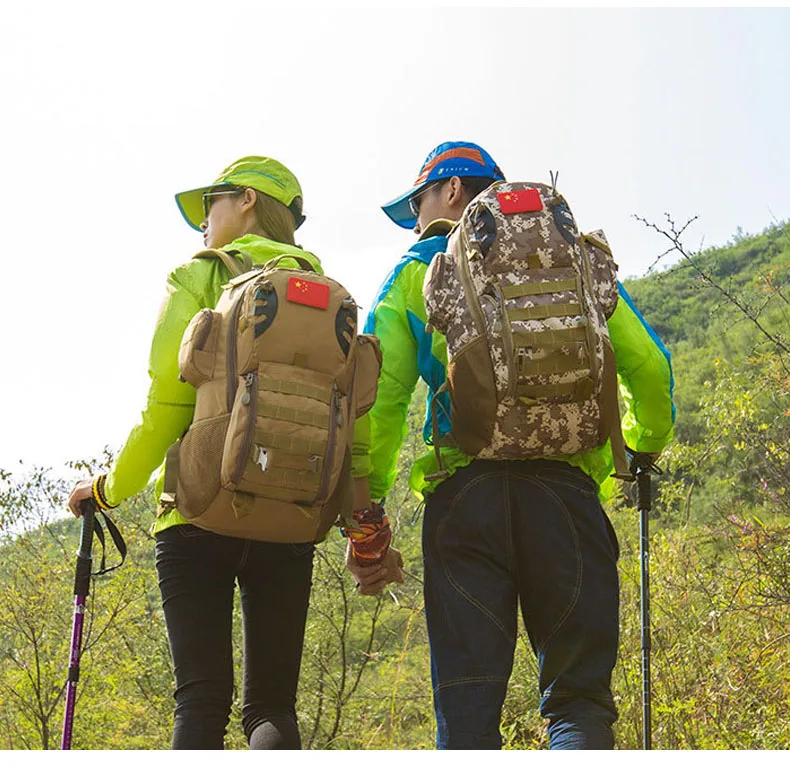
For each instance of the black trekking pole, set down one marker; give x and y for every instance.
(82, 582)
(642, 466)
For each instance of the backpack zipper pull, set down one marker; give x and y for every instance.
(249, 380)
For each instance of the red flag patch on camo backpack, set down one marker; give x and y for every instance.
(523, 298)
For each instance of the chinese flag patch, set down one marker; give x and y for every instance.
(522, 201)
(302, 291)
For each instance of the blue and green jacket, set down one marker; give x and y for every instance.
(398, 318)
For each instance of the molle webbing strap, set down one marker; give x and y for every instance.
(543, 311)
(538, 288)
(576, 390)
(550, 365)
(295, 387)
(277, 459)
(289, 495)
(302, 463)
(597, 243)
(290, 444)
(549, 337)
(294, 415)
(305, 482)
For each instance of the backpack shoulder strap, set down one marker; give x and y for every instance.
(229, 259)
(437, 227)
(611, 415)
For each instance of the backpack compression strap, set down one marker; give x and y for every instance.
(167, 499)
(227, 257)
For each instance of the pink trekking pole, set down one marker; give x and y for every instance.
(82, 582)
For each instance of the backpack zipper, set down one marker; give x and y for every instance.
(230, 347)
(250, 399)
(335, 421)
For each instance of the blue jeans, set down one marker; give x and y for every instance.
(198, 571)
(500, 533)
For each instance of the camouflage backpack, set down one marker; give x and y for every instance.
(523, 300)
(281, 375)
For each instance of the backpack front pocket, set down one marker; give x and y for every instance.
(285, 429)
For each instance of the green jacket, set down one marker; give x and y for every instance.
(171, 403)
(398, 318)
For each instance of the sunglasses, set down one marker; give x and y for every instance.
(208, 198)
(414, 202)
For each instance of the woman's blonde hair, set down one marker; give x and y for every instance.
(275, 218)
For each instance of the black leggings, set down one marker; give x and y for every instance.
(197, 572)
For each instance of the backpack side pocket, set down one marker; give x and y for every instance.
(199, 462)
(198, 349)
(603, 271)
(368, 362)
(440, 289)
(473, 395)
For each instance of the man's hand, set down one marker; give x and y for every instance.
(371, 579)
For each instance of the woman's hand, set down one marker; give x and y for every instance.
(80, 492)
(371, 579)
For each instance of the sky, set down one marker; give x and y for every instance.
(108, 112)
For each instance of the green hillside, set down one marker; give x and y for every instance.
(720, 568)
(725, 316)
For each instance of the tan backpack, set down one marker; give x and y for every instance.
(523, 300)
(281, 375)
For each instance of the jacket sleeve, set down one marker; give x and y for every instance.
(644, 371)
(170, 404)
(380, 433)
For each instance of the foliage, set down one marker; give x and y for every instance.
(725, 315)
(720, 568)
(720, 611)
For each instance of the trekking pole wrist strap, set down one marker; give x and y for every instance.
(641, 462)
(97, 490)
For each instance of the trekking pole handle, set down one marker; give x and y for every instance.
(82, 575)
(640, 463)
(643, 485)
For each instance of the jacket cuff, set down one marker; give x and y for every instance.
(98, 493)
